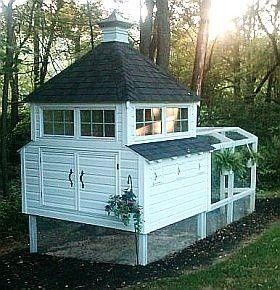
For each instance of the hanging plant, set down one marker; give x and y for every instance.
(250, 156)
(126, 209)
(228, 160)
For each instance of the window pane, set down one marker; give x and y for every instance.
(139, 115)
(184, 113)
(58, 129)
(109, 116)
(85, 130)
(170, 127)
(48, 128)
(157, 127)
(48, 115)
(69, 129)
(149, 129)
(157, 114)
(148, 114)
(97, 130)
(140, 129)
(110, 130)
(85, 116)
(58, 116)
(184, 126)
(97, 116)
(177, 126)
(69, 116)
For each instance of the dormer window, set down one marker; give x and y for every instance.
(98, 123)
(58, 122)
(148, 121)
(177, 120)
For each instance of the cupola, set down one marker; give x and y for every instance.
(115, 28)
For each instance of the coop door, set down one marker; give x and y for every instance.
(58, 184)
(98, 179)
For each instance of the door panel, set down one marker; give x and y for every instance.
(100, 179)
(56, 186)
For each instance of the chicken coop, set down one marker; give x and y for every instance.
(114, 122)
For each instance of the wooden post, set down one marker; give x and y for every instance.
(33, 234)
(143, 249)
(201, 225)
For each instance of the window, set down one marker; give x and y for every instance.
(148, 121)
(58, 122)
(98, 123)
(177, 120)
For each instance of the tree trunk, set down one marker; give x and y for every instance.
(146, 29)
(163, 34)
(14, 100)
(36, 45)
(201, 47)
(8, 66)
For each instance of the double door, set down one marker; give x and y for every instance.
(80, 181)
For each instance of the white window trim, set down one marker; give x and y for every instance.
(77, 121)
(164, 133)
(53, 108)
(95, 137)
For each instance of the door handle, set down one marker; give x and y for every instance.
(81, 179)
(69, 177)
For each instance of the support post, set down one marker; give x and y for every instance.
(143, 249)
(201, 225)
(230, 195)
(33, 234)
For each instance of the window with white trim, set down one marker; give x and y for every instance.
(177, 120)
(97, 123)
(58, 122)
(148, 121)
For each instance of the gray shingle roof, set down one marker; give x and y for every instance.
(173, 148)
(112, 72)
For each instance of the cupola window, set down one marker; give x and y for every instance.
(148, 121)
(58, 122)
(177, 120)
(98, 123)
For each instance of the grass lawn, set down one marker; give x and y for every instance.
(256, 266)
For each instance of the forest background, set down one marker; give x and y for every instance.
(236, 73)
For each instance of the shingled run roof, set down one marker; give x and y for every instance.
(172, 148)
(112, 72)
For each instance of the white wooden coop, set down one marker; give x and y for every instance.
(112, 114)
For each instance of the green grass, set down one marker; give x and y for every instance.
(256, 266)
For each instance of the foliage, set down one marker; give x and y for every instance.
(269, 169)
(125, 208)
(12, 221)
(228, 160)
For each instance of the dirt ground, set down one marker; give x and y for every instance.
(19, 269)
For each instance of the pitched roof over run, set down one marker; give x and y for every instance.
(112, 72)
(173, 148)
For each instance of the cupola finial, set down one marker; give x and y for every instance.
(115, 28)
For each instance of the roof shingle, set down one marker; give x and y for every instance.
(173, 148)
(112, 72)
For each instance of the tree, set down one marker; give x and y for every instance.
(201, 47)
(7, 72)
(155, 33)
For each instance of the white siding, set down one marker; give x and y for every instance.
(176, 189)
(90, 206)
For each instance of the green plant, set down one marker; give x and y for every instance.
(228, 160)
(249, 155)
(12, 221)
(125, 208)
